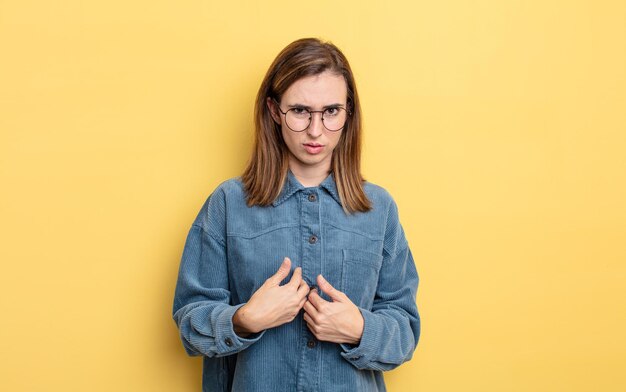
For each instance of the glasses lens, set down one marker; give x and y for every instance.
(298, 119)
(334, 118)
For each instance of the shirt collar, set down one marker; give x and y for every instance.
(292, 185)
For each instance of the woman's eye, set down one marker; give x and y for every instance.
(299, 111)
(332, 111)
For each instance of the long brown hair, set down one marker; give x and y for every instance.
(265, 175)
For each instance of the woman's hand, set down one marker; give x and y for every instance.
(339, 321)
(272, 305)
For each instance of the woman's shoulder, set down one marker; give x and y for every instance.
(383, 201)
(378, 195)
(230, 187)
(232, 184)
(212, 212)
(224, 193)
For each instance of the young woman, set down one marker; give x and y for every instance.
(297, 276)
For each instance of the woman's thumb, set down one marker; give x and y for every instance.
(283, 271)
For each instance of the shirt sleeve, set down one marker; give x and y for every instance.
(391, 328)
(202, 303)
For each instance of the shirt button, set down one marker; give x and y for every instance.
(312, 197)
(228, 342)
(312, 239)
(310, 343)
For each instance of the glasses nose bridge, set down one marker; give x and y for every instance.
(311, 113)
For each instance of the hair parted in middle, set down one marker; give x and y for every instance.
(266, 173)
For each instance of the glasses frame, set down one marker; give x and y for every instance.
(348, 113)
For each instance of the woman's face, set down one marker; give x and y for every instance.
(313, 147)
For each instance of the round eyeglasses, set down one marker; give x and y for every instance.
(299, 118)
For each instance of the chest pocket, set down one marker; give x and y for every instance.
(359, 276)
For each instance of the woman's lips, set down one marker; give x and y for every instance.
(313, 148)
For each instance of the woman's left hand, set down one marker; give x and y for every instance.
(338, 321)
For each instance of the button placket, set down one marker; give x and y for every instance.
(310, 204)
(312, 197)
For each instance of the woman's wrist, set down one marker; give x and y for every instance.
(242, 323)
(358, 330)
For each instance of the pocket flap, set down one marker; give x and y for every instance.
(363, 257)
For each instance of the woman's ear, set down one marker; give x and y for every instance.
(271, 106)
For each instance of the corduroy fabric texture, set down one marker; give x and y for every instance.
(231, 249)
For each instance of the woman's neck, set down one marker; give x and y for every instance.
(309, 176)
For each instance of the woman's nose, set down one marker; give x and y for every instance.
(317, 125)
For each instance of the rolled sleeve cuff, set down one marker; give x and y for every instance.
(361, 354)
(226, 340)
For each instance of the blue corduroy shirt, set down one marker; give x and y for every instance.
(231, 249)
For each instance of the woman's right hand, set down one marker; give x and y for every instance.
(273, 305)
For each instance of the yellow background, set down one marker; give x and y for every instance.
(498, 126)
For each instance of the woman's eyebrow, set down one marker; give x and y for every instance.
(298, 105)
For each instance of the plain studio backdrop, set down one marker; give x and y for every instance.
(498, 126)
